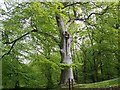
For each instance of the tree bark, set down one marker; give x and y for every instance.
(66, 58)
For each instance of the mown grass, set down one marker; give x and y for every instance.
(103, 84)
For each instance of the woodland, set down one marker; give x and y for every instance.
(49, 45)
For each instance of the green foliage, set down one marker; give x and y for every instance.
(34, 60)
(107, 83)
(98, 45)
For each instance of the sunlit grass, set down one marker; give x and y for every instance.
(107, 83)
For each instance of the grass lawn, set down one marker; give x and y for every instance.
(107, 83)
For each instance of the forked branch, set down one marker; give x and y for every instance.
(85, 19)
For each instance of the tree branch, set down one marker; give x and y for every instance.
(34, 30)
(9, 50)
(14, 42)
(73, 4)
(20, 37)
(84, 19)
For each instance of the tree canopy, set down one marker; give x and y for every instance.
(31, 42)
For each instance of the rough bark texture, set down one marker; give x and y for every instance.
(66, 39)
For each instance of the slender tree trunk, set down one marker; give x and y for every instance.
(75, 71)
(66, 58)
(93, 76)
(49, 78)
(101, 66)
(17, 81)
(84, 67)
(101, 69)
(95, 70)
(84, 72)
(17, 84)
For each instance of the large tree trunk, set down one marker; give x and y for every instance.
(66, 39)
